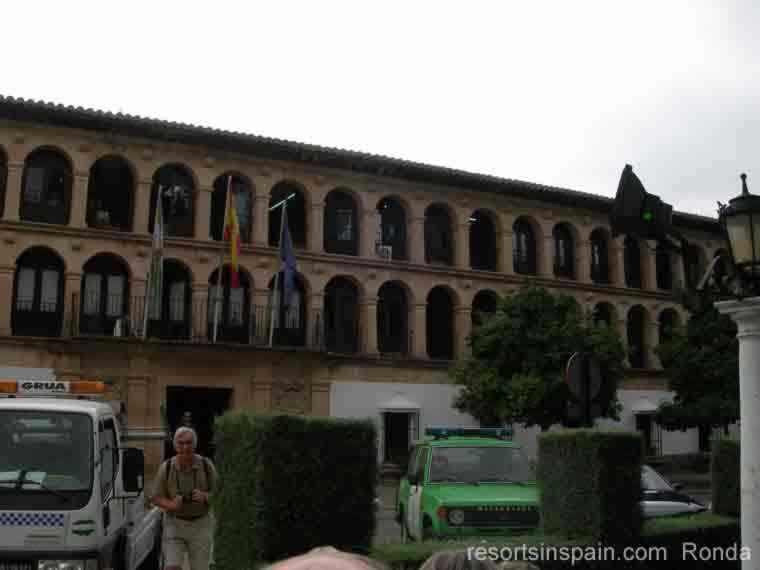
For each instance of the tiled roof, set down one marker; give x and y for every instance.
(278, 149)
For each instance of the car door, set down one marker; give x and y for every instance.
(415, 494)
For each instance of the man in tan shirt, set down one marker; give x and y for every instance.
(182, 488)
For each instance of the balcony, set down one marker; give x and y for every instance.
(192, 321)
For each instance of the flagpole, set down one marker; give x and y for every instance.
(217, 301)
(148, 292)
(276, 292)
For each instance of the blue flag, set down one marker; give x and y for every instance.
(287, 261)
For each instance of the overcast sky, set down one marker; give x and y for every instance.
(559, 93)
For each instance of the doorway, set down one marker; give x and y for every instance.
(399, 434)
(205, 404)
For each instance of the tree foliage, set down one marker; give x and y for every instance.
(516, 371)
(702, 363)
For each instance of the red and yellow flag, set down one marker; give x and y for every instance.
(232, 234)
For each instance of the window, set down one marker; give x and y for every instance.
(108, 455)
(46, 193)
(600, 272)
(564, 260)
(242, 200)
(177, 200)
(104, 295)
(523, 248)
(38, 294)
(110, 194)
(392, 227)
(438, 236)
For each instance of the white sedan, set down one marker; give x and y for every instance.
(661, 499)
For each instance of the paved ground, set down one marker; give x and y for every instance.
(386, 529)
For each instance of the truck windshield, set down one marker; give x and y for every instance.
(46, 457)
(479, 465)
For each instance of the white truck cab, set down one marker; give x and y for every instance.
(71, 497)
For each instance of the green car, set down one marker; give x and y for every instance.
(466, 482)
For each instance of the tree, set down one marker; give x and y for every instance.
(516, 371)
(702, 363)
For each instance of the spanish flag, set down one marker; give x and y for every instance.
(232, 234)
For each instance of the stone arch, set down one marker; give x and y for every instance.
(440, 222)
(179, 189)
(341, 314)
(484, 303)
(603, 314)
(38, 293)
(46, 186)
(484, 229)
(342, 222)
(599, 249)
(297, 208)
(439, 319)
(393, 309)
(394, 220)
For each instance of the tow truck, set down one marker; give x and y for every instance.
(71, 496)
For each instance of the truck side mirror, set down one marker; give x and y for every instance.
(133, 471)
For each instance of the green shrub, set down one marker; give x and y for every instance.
(590, 482)
(290, 483)
(725, 470)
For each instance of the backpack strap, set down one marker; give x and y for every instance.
(207, 470)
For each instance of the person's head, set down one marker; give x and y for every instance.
(457, 560)
(328, 558)
(185, 442)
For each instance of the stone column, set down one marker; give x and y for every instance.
(648, 265)
(746, 314)
(652, 338)
(72, 299)
(315, 320)
(13, 191)
(260, 316)
(462, 330)
(462, 246)
(583, 262)
(679, 272)
(78, 217)
(137, 292)
(369, 225)
(416, 245)
(368, 324)
(506, 263)
(546, 257)
(419, 336)
(261, 220)
(142, 207)
(316, 228)
(203, 213)
(6, 298)
(617, 271)
(200, 316)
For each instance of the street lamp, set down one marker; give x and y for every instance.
(741, 221)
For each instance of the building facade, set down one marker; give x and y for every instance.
(394, 262)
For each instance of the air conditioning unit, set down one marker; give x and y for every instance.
(384, 251)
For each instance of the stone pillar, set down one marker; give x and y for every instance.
(368, 324)
(462, 330)
(316, 228)
(652, 341)
(199, 313)
(679, 271)
(6, 298)
(78, 217)
(462, 246)
(419, 336)
(142, 207)
(13, 191)
(260, 316)
(506, 263)
(261, 220)
(416, 245)
(315, 320)
(648, 265)
(583, 262)
(203, 214)
(746, 314)
(72, 299)
(617, 272)
(137, 292)
(546, 257)
(369, 226)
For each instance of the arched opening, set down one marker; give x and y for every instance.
(564, 252)
(3, 180)
(439, 243)
(484, 304)
(392, 228)
(105, 295)
(601, 315)
(229, 307)
(286, 318)
(341, 224)
(635, 330)
(523, 248)
(632, 260)
(668, 323)
(392, 319)
(341, 316)
(440, 324)
(695, 265)
(600, 258)
(241, 199)
(664, 266)
(46, 195)
(482, 242)
(38, 294)
(110, 194)
(171, 318)
(177, 200)
(291, 195)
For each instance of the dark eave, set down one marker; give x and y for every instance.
(117, 123)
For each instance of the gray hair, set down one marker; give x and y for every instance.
(184, 430)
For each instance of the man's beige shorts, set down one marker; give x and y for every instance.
(193, 537)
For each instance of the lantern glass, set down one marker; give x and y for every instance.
(739, 231)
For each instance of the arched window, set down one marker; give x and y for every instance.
(482, 242)
(242, 200)
(667, 325)
(287, 321)
(46, 195)
(439, 243)
(228, 307)
(110, 194)
(564, 252)
(601, 316)
(38, 294)
(392, 319)
(632, 258)
(3, 180)
(440, 324)
(392, 231)
(483, 305)
(524, 248)
(292, 196)
(172, 318)
(341, 224)
(600, 263)
(664, 266)
(178, 200)
(341, 316)
(105, 295)
(635, 330)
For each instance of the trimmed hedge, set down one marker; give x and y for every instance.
(291, 483)
(725, 470)
(590, 481)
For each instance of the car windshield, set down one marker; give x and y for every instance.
(479, 465)
(45, 452)
(653, 481)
